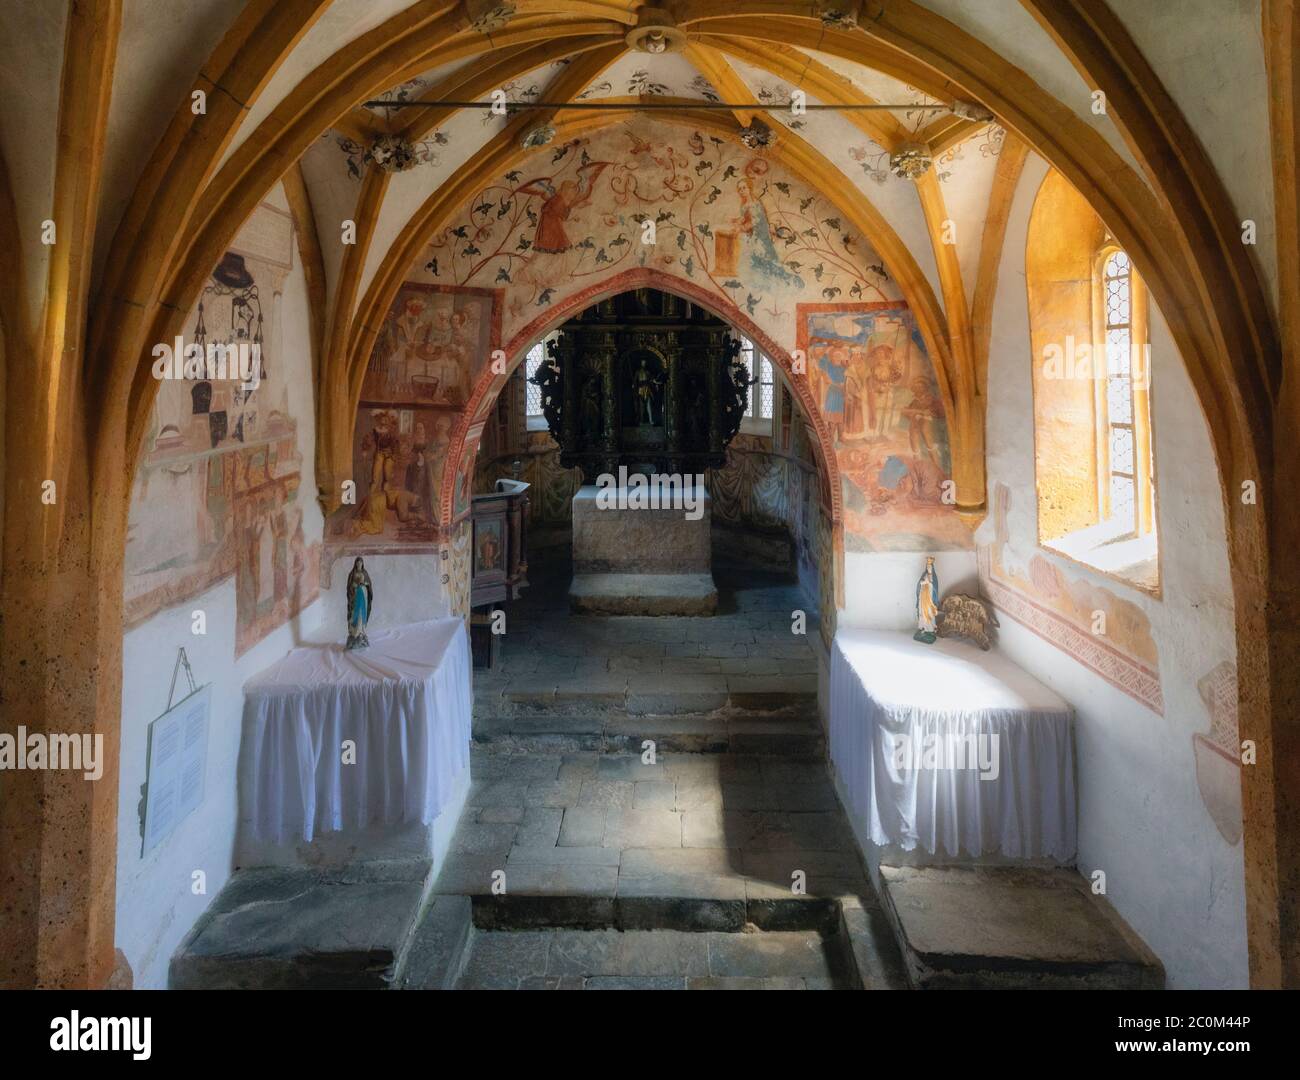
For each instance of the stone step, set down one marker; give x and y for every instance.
(1012, 928)
(643, 594)
(638, 694)
(735, 731)
(300, 928)
(846, 941)
(658, 960)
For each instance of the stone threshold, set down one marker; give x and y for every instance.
(487, 942)
(790, 731)
(643, 594)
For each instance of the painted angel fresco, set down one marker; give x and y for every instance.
(559, 202)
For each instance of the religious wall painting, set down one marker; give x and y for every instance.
(1218, 751)
(217, 491)
(1065, 611)
(398, 453)
(433, 346)
(875, 388)
(463, 490)
(489, 546)
(724, 217)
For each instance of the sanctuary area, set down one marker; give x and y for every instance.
(580, 494)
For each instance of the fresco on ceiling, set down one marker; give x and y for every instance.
(1063, 610)
(218, 489)
(731, 221)
(876, 390)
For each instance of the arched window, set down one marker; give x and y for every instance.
(1094, 472)
(760, 401)
(533, 414)
(531, 363)
(1126, 487)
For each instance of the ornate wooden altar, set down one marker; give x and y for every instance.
(644, 379)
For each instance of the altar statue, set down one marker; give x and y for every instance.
(361, 600)
(927, 604)
(644, 385)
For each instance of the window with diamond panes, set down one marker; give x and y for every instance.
(1117, 294)
(758, 371)
(531, 363)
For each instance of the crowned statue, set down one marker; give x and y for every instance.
(927, 604)
(361, 601)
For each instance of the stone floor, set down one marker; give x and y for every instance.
(719, 826)
(747, 648)
(651, 809)
(651, 806)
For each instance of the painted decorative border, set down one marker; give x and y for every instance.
(1122, 672)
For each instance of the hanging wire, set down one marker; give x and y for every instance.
(637, 106)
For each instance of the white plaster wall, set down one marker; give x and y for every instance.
(1209, 56)
(408, 588)
(880, 587)
(1142, 821)
(1008, 28)
(155, 904)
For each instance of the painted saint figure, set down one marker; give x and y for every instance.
(361, 598)
(419, 475)
(927, 604)
(923, 415)
(558, 203)
(752, 224)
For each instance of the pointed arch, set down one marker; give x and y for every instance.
(489, 385)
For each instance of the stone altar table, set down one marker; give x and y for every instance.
(629, 560)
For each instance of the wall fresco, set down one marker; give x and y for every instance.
(218, 489)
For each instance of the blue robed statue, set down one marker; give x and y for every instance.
(361, 599)
(927, 604)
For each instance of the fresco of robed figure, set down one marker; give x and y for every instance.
(877, 393)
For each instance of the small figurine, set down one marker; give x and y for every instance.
(927, 604)
(968, 617)
(361, 602)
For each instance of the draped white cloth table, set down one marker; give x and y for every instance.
(405, 702)
(893, 700)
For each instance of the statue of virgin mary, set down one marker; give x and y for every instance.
(927, 604)
(361, 597)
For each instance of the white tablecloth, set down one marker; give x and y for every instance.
(891, 695)
(405, 702)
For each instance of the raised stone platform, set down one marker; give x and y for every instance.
(981, 928)
(643, 594)
(283, 928)
(640, 553)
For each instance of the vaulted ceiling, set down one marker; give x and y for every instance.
(582, 57)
